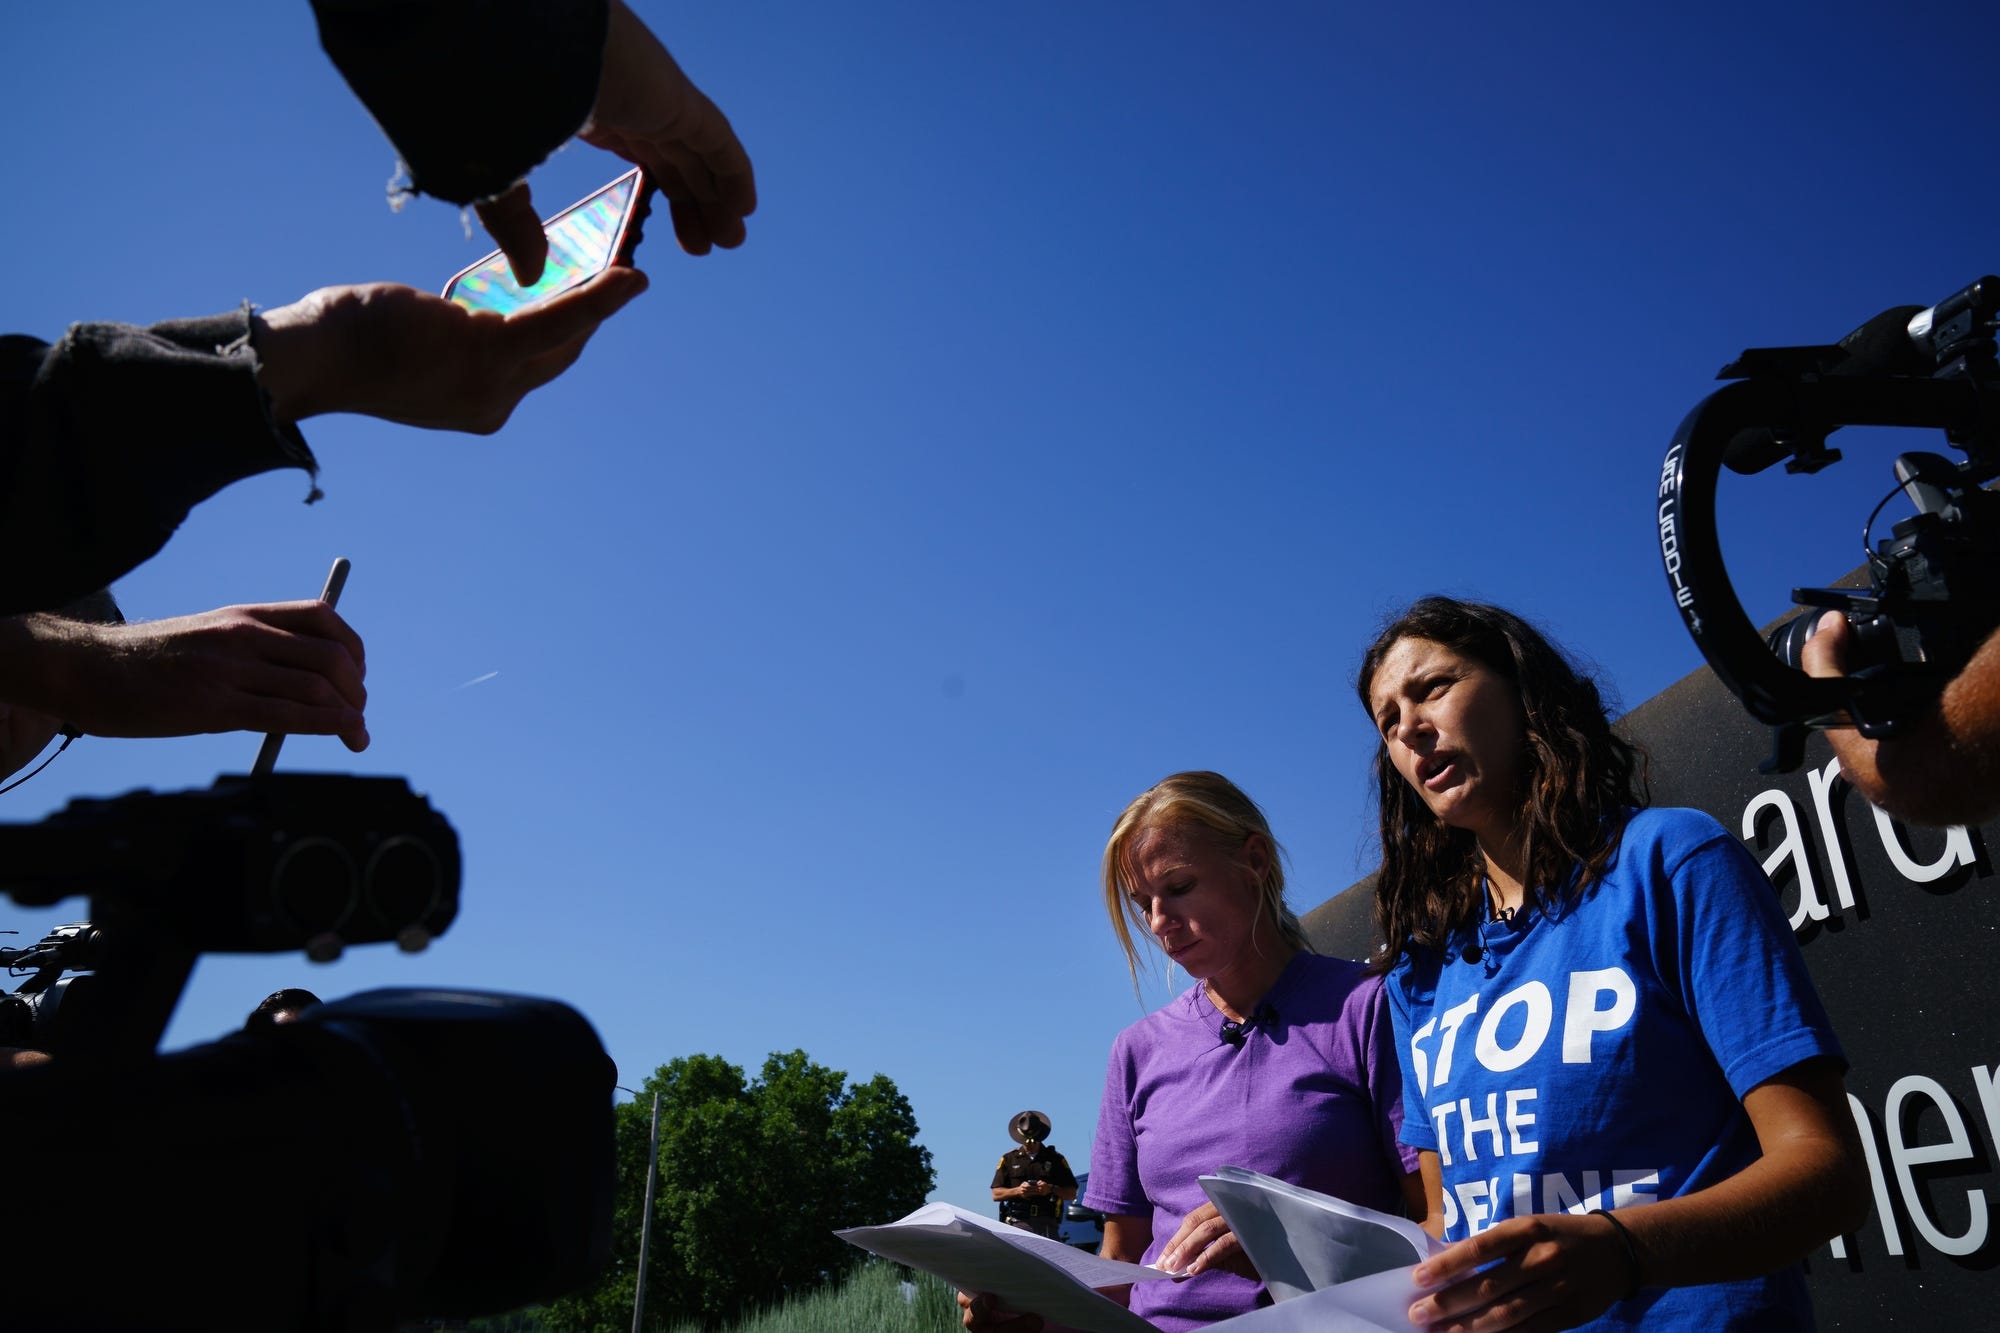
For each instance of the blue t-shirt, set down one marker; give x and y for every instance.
(1597, 1057)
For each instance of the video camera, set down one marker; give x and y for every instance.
(1934, 583)
(396, 1154)
(34, 1015)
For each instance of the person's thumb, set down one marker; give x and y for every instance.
(510, 219)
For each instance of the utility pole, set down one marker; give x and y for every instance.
(646, 1218)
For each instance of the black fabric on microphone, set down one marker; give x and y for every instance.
(1233, 1032)
(1472, 954)
(1882, 346)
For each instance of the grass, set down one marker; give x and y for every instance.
(875, 1298)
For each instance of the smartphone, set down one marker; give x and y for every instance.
(586, 238)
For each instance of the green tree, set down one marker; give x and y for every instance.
(754, 1178)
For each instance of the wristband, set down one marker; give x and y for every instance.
(1626, 1243)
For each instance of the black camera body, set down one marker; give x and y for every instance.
(40, 1014)
(1934, 583)
(395, 1154)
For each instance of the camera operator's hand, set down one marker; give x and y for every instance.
(650, 114)
(394, 352)
(1946, 768)
(293, 667)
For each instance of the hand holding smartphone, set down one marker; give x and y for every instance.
(589, 236)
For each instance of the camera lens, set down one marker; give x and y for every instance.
(1788, 641)
(313, 885)
(403, 882)
(1874, 642)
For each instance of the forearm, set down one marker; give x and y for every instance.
(1808, 1186)
(110, 435)
(426, 73)
(1423, 1194)
(36, 660)
(1126, 1238)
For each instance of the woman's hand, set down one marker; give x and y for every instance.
(1554, 1271)
(1204, 1241)
(394, 352)
(982, 1311)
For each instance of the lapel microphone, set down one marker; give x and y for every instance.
(1476, 949)
(1234, 1032)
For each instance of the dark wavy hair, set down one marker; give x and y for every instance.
(1579, 776)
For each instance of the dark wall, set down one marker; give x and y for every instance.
(1900, 927)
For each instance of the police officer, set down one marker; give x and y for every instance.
(1033, 1181)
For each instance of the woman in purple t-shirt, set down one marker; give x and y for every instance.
(1277, 1060)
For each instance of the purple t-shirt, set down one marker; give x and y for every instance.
(1313, 1096)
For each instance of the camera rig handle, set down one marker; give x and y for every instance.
(1792, 405)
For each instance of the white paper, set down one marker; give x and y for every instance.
(1026, 1272)
(1375, 1304)
(1302, 1241)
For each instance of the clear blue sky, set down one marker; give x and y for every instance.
(1095, 378)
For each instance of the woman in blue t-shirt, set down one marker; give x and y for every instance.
(1625, 1095)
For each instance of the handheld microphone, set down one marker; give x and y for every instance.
(1892, 343)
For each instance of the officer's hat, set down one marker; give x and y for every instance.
(1029, 1125)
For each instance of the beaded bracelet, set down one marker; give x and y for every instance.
(1625, 1240)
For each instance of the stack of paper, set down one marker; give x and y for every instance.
(1332, 1266)
(1027, 1272)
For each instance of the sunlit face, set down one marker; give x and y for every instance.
(1198, 895)
(1452, 727)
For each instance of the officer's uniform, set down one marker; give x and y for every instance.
(1043, 1213)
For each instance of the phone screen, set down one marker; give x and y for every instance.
(584, 239)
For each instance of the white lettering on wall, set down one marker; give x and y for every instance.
(1957, 851)
(1791, 847)
(1819, 781)
(1989, 1099)
(1957, 1147)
